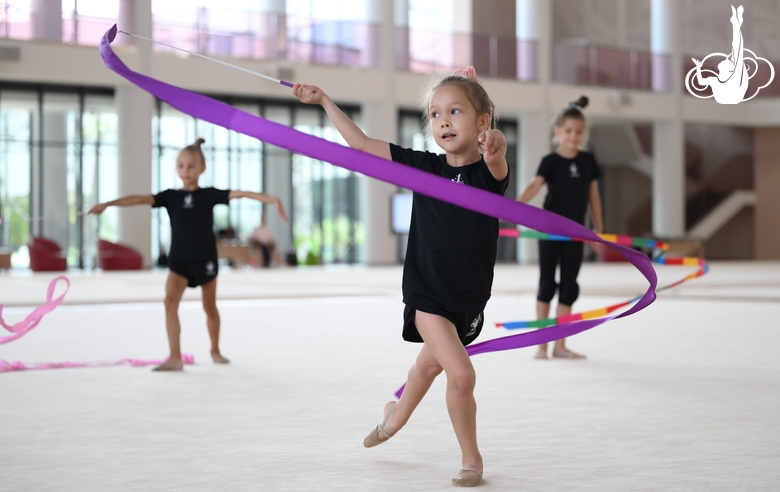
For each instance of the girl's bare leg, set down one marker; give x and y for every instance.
(174, 288)
(542, 311)
(442, 342)
(559, 349)
(209, 293)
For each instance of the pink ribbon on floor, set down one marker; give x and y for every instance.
(6, 366)
(23, 327)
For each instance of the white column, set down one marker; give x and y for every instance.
(134, 113)
(54, 168)
(277, 181)
(664, 43)
(380, 120)
(462, 28)
(402, 34)
(669, 178)
(274, 27)
(529, 32)
(669, 135)
(534, 22)
(46, 16)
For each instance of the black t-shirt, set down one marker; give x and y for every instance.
(451, 251)
(192, 222)
(568, 184)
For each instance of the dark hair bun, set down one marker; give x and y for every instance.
(200, 141)
(581, 103)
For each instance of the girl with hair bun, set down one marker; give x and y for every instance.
(571, 176)
(192, 260)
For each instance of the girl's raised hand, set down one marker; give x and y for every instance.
(308, 94)
(97, 209)
(494, 143)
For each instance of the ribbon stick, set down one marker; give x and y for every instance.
(283, 82)
(231, 118)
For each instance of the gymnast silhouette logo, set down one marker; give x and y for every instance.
(188, 200)
(573, 172)
(730, 84)
(459, 179)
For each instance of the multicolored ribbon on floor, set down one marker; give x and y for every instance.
(639, 242)
(231, 118)
(23, 327)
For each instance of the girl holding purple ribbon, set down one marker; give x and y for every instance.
(571, 176)
(193, 256)
(451, 253)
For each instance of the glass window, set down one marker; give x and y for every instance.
(57, 155)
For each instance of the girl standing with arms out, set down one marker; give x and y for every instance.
(193, 255)
(448, 272)
(571, 176)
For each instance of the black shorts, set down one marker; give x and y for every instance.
(468, 323)
(197, 273)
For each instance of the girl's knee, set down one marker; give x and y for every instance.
(462, 379)
(211, 311)
(428, 370)
(171, 303)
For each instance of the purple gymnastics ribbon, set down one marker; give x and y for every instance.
(226, 116)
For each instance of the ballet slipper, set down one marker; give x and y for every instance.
(540, 354)
(170, 365)
(467, 477)
(219, 359)
(567, 354)
(372, 439)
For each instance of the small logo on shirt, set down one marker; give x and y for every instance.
(573, 172)
(474, 325)
(459, 179)
(188, 200)
(210, 268)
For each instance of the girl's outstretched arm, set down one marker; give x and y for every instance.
(531, 190)
(260, 197)
(311, 94)
(595, 207)
(123, 202)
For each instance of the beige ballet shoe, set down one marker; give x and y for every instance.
(372, 439)
(219, 359)
(541, 355)
(467, 477)
(170, 365)
(567, 354)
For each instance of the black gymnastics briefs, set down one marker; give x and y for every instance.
(468, 323)
(197, 273)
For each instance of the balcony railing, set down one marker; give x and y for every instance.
(492, 56)
(610, 67)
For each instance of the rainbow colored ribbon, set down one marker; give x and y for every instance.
(639, 242)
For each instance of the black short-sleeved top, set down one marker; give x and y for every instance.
(568, 184)
(451, 251)
(192, 222)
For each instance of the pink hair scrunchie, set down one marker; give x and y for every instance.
(468, 72)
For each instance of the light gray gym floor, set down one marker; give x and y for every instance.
(682, 396)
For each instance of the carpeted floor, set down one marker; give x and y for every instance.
(678, 397)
